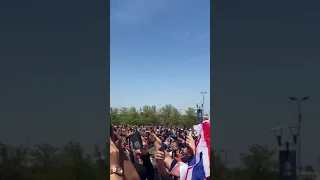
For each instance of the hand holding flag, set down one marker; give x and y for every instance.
(199, 167)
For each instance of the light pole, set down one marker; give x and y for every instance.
(299, 100)
(278, 133)
(203, 93)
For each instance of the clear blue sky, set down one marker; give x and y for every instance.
(160, 52)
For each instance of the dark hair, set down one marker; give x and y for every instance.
(180, 144)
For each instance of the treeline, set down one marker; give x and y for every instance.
(151, 115)
(257, 164)
(46, 162)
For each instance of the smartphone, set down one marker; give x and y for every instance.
(136, 140)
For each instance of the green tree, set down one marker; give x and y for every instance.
(12, 165)
(258, 163)
(166, 113)
(190, 117)
(124, 116)
(175, 117)
(45, 155)
(134, 116)
(115, 115)
(149, 115)
(45, 161)
(220, 170)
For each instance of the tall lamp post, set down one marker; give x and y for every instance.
(299, 100)
(203, 93)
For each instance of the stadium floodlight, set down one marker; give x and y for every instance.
(294, 132)
(278, 133)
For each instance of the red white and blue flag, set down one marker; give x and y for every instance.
(199, 167)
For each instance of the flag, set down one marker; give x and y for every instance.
(199, 167)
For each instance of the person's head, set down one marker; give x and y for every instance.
(179, 153)
(186, 151)
(177, 145)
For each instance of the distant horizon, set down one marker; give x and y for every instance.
(158, 107)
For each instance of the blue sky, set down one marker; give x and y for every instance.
(160, 52)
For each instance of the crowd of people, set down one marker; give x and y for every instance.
(150, 152)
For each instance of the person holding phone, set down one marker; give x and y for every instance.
(120, 165)
(159, 158)
(116, 171)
